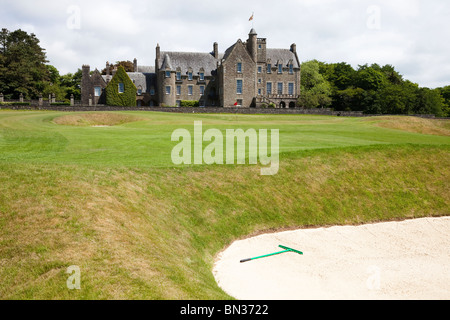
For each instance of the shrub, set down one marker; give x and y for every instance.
(189, 103)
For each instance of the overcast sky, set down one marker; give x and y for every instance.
(412, 35)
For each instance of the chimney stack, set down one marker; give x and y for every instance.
(216, 50)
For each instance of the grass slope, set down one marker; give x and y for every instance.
(109, 200)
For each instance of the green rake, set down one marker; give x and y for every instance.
(286, 249)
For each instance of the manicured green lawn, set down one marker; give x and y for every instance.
(109, 199)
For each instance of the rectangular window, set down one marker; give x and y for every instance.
(239, 67)
(291, 88)
(280, 68)
(97, 91)
(259, 92)
(178, 75)
(121, 87)
(202, 76)
(167, 89)
(190, 75)
(152, 91)
(178, 102)
(260, 80)
(239, 102)
(202, 90)
(269, 68)
(167, 74)
(291, 68)
(259, 69)
(269, 87)
(239, 86)
(178, 90)
(280, 88)
(190, 90)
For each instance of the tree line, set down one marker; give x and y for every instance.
(372, 89)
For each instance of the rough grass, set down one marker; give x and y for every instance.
(415, 124)
(152, 232)
(95, 119)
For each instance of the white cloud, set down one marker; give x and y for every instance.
(409, 34)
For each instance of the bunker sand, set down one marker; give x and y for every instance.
(392, 260)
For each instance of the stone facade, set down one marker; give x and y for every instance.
(247, 75)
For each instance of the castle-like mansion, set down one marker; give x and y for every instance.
(248, 74)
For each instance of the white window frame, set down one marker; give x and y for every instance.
(97, 91)
(269, 90)
(121, 87)
(291, 88)
(239, 89)
(280, 88)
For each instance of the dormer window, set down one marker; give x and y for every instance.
(269, 68)
(291, 68)
(168, 74)
(280, 67)
(202, 76)
(190, 77)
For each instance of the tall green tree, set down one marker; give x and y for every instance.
(315, 90)
(22, 64)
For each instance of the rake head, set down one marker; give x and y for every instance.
(290, 249)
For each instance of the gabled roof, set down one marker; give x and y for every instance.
(190, 60)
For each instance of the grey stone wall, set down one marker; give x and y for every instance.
(213, 110)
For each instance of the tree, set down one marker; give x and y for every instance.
(369, 78)
(127, 65)
(315, 90)
(430, 101)
(22, 64)
(445, 94)
(72, 84)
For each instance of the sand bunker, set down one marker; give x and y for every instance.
(393, 260)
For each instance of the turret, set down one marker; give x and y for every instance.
(252, 46)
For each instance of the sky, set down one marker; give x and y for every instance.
(411, 35)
